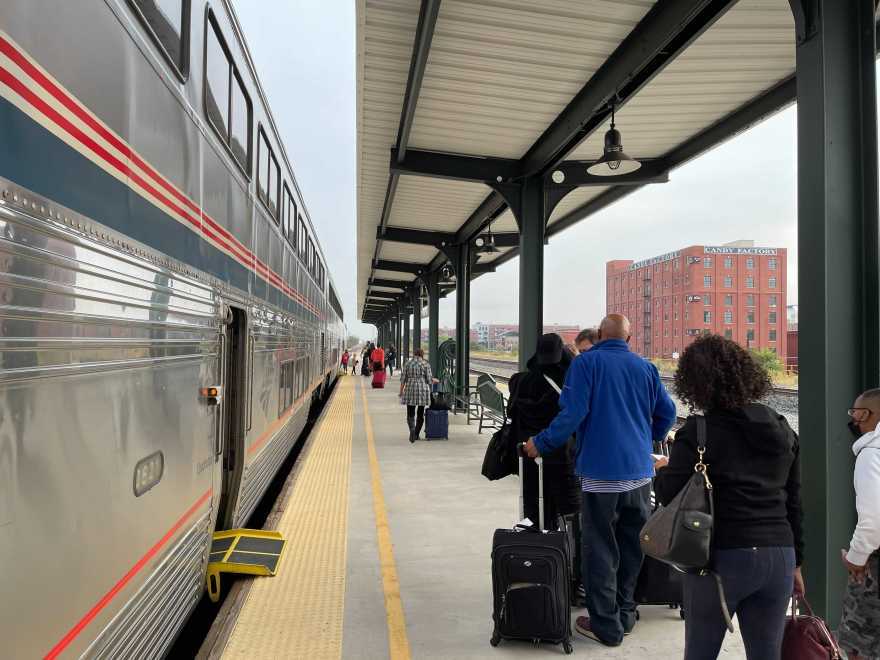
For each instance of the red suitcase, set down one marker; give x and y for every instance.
(379, 378)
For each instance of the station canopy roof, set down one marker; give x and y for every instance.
(526, 87)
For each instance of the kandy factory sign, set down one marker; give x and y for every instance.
(740, 250)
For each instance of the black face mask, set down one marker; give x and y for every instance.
(853, 427)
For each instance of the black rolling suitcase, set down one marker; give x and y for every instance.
(531, 580)
(659, 583)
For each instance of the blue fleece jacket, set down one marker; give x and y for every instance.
(617, 403)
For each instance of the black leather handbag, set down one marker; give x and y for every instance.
(680, 533)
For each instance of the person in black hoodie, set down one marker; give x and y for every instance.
(754, 466)
(533, 403)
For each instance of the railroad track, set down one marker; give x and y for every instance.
(491, 365)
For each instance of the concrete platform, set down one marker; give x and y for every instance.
(415, 578)
(441, 514)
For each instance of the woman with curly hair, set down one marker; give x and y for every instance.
(753, 462)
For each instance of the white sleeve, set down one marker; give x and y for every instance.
(866, 537)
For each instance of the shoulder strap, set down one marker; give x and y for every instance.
(552, 384)
(701, 431)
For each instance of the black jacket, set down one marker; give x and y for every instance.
(754, 465)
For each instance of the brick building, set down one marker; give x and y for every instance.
(735, 290)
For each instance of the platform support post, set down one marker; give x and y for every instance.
(416, 297)
(433, 285)
(462, 262)
(839, 314)
(403, 350)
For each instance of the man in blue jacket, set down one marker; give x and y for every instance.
(616, 402)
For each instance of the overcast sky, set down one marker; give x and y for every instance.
(304, 51)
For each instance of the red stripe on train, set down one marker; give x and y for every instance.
(134, 570)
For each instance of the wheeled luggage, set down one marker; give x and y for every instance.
(531, 580)
(659, 583)
(436, 424)
(379, 378)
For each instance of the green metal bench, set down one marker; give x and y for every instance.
(493, 407)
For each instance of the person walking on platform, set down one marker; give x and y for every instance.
(859, 631)
(754, 465)
(355, 361)
(365, 360)
(616, 402)
(415, 391)
(377, 358)
(533, 403)
(391, 359)
(345, 358)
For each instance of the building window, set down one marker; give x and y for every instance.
(707, 317)
(728, 262)
(728, 316)
(773, 335)
(771, 300)
(665, 332)
(772, 318)
(771, 263)
(227, 104)
(665, 316)
(750, 263)
(728, 281)
(728, 299)
(675, 315)
(707, 281)
(168, 24)
(750, 282)
(750, 300)
(750, 335)
(728, 333)
(707, 299)
(772, 283)
(750, 316)
(707, 262)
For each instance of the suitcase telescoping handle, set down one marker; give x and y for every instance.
(522, 488)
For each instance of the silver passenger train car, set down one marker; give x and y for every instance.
(166, 316)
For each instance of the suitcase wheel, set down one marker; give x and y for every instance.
(496, 639)
(638, 616)
(568, 648)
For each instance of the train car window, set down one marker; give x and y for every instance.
(303, 239)
(227, 103)
(167, 21)
(240, 123)
(292, 228)
(268, 174)
(217, 84)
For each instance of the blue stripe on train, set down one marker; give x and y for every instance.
(36, 159)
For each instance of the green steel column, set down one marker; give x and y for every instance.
(403, 351)
(839, 346)
(531, 267)
(416, 297)
(433, 321)
(462, 317)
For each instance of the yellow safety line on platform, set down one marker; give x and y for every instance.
(398, 643)
(299, 613)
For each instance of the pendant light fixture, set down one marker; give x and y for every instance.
(446, 274)
(486, 244)
(614, 160)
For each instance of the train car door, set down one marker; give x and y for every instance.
(236, 370)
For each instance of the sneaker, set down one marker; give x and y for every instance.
(582, 625)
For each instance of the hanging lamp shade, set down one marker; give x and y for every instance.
(614, 160)
(486, 244)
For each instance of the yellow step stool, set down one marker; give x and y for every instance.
(248, 551)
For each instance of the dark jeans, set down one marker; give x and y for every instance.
(612, 558)
(757, 586)
(419, 413)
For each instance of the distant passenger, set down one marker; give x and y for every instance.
(415, 391)
(533, 403)
(365, 360)
(753, 463)
(617, 404)
(391, 359)
(859, 631)
(345, 358)
(377, 358)
(585, 340)
(355, 361)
